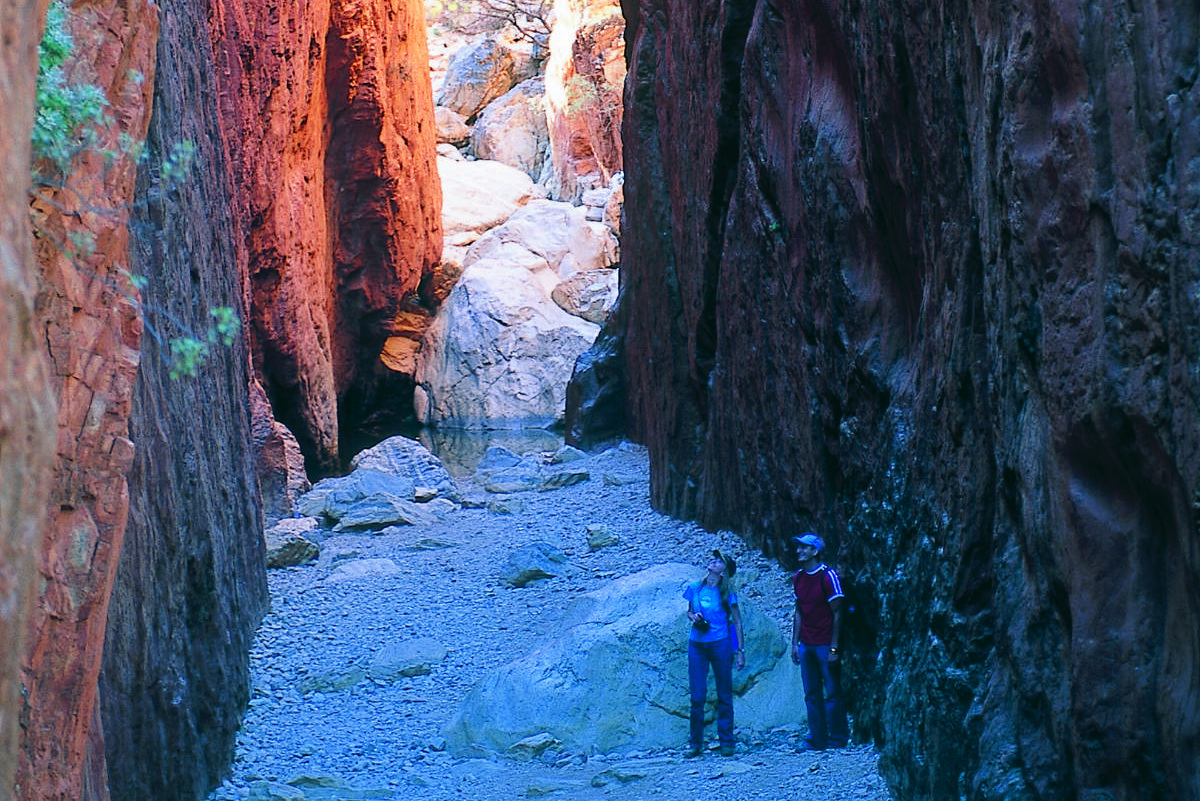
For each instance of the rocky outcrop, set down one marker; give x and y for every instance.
(500, 352)
(608, 680)
(584, 78)
(88, 314)
(27, 416)
(339, 201)
(922, 276)
(478, 74)
(512, 129)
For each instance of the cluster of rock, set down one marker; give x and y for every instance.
(608, 676)
(529, 263)
(399, 482)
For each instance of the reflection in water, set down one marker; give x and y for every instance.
(462, 449)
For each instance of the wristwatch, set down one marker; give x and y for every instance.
(833, 650)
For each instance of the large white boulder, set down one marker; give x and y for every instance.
(476, 75)
(499, 354)
(557, 232)
(512, 129)
(478, 196)
(616, 676)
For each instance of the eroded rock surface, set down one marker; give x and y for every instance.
(87, 312)
(338, 196)
(190, 588)
(923, 276)
(27, 403)
(584, 78)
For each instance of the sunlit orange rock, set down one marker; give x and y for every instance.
(328, 112)
(585, 76)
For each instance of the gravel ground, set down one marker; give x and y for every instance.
(383, 739)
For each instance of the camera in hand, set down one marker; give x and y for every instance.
(701, 625)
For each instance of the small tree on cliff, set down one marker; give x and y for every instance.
(68, 122)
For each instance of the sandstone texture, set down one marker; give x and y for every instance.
(88, 314)
(27, 401)
(923, 276)
(330, 124)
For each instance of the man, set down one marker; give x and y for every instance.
(816, 629)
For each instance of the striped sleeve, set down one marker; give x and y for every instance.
(833, 584)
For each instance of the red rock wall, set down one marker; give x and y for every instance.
(88, 316)
(27, 404)
(326, 159)
(923, 276)
(584, 78)
(312, 212)
(339, 195)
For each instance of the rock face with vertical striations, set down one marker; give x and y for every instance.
(328, 112)
(924, 276)
(311, 209)
(191, 586)
(584, 77)
(27, 402)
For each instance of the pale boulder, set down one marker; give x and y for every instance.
(476, 75)
(499, 354)
(288, 542)
(363, 569)
(557, 232)
(512, 129)
(406, 658)
(590, 294)
(401, 456)
(451, 127)
(615, 677)
(479, 195)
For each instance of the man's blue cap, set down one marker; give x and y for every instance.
(810, 539)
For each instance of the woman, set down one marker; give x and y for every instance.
(716, 639)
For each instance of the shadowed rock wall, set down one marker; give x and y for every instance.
(27, 404)
(191, 586)
(924, 276)
(158, 476)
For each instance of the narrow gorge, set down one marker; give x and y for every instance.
(923, 276)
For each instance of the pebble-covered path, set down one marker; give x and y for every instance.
(375, 739)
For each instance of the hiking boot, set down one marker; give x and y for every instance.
(727, 749)
(693, 751)
(806, 746)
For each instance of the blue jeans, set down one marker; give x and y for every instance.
(719, 654)
(827, 724)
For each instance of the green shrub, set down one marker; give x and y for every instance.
(68, 115)
(68, 121)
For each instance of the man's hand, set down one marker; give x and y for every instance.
(796, 653)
